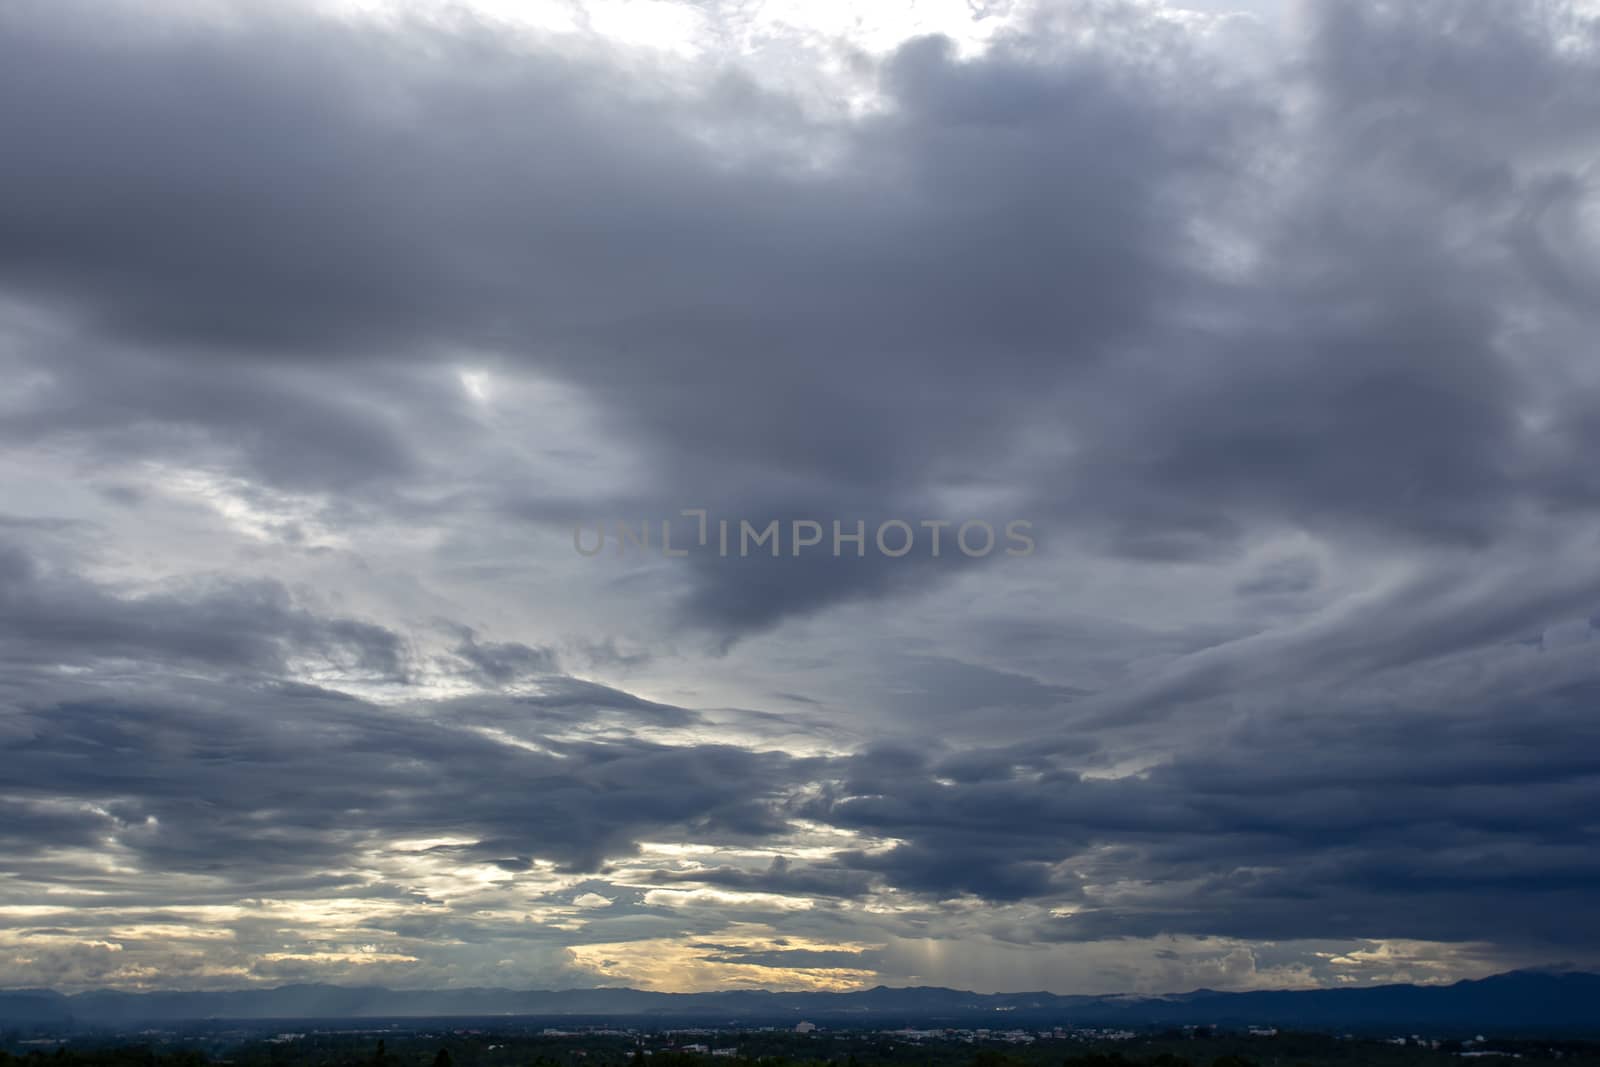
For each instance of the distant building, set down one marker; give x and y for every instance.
(804, 1028)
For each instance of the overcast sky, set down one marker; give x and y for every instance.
(326, 327)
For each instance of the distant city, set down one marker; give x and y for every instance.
(531, 1042)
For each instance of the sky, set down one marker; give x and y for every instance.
(337, 335)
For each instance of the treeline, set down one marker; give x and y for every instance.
(994, 1058)
(119, 1056)
(145, 1056)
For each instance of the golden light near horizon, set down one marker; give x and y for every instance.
(673, 964)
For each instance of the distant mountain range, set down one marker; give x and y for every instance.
(1522, 1001)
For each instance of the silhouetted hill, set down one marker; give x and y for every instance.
(1520, 1001)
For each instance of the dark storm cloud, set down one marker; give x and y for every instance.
(262, 783)
(1284, 577)
(247, 223)
(1373, 369)
(25, 825)
(290, 428)
(53, 618)
(743, 594)
(939, 689)
(780, 876)
(256, 203)
(496, 663)
(1343, 822)
(1326, 826)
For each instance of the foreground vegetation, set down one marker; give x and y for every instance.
(465, 1048)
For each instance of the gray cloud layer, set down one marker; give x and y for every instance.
(1286, 357)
